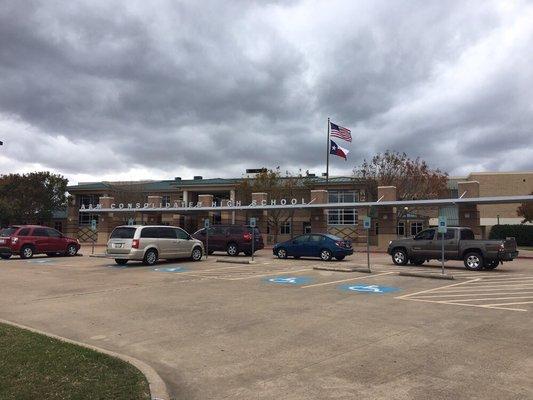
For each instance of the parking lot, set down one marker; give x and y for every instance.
(278, 329)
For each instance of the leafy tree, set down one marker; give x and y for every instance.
(31, 198)
(277, 186)
(413, 178)
(525, 211)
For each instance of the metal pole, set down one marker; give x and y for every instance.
(253, 242)
(368, 249)
(206, 242)
(327, 158)
(442, 243)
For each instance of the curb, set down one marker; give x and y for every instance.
(158, 388)
(346, 269)
(427, 275)
(229, 261)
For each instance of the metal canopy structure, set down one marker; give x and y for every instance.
(311, 205)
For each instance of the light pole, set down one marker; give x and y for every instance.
(405, 209)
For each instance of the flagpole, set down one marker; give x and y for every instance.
(327, 158)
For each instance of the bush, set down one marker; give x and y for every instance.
(522, 233)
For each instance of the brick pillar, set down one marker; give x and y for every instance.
(153, 217)
(319, 216)
(469, 213)
(72, 218)
(206, 200)
(386, 216)
(105, 220)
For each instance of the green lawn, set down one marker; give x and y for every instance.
(33, 366)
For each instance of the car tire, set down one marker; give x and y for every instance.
(399, 257)
(492, 264)
(26, 252)
(150, 257)
(197, 254)
(473, 261)
(72, 250)
(121, 261)
(232, 249)
(340, 258)
(325, 255)
(5, 256)
(281, 253)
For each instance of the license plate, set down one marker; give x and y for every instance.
(117, 245)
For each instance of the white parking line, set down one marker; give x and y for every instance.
(287, 272)
(346, 280)
(430, 296)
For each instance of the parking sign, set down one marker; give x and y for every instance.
(442, 224)
(253, 222)
(367, 223)
(206, 223)
(93, 224)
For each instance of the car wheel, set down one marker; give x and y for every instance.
(399, 257)
(416, 262)
(492, 264)
(26, 252)
(197, 254)
(5, 256)
(473, 261)
(150, 257)
(232, 249)
(121, 261)
(72, 250)
(340, 258)
(281, 253)
(325, 255)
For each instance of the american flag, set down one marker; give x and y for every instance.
(340, 132)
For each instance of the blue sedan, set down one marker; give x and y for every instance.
(325, 246)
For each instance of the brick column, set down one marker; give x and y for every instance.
(319, 216)
(386, 217)
(206, 200)
(154, 218)
(469, 213)
(260, 215)
(105, 220)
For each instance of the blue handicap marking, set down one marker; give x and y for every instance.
(171, 269)
(288, 280)
(362, 288)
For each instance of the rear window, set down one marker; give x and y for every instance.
(467, 234)
(123, 233)
(7, 232)
(333, 237)
(24, 232)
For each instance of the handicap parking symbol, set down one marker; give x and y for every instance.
(288, 280)
(362, 288)
(171, 269)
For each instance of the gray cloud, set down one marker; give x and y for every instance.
(95, 88)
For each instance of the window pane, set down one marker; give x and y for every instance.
(123, 233)
(40, 232)
(181, 234)
(53, 233)
(24, 232)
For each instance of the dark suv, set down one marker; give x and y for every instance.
(232, 239)
(27, 240)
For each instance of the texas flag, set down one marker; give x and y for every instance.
(334, 148)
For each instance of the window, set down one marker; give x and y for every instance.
(316, 238)
(400, 229)
(165, 199)
(53, 233)
(167, 233)
(235, 230)
(428, 234)
(123, 233)
(416, 227)
(342, 216)
(467, 234)
(286, 228)
(301, 239)
(449, 235)
(152, 232)
(181, 234)
(307, 227)
(24, 232)
(88, 199)
(40, 232)
(376, 228)
(7, 232)
(85, 219)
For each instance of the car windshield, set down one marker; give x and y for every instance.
(335, 238)
(7, 232)
(123, 233)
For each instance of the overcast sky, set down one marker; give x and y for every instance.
(103, 90)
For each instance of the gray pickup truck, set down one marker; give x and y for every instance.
(459, 244)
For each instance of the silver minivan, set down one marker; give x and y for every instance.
(149, 243)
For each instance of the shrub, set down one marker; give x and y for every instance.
(522, 233)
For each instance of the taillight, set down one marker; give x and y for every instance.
(247, 236)
(135, 244)
(14, 240)
(502, 247)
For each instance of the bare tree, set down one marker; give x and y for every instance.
(525, 211)
(413, 178)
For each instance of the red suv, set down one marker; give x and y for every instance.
(231, 238)
(27, 240)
